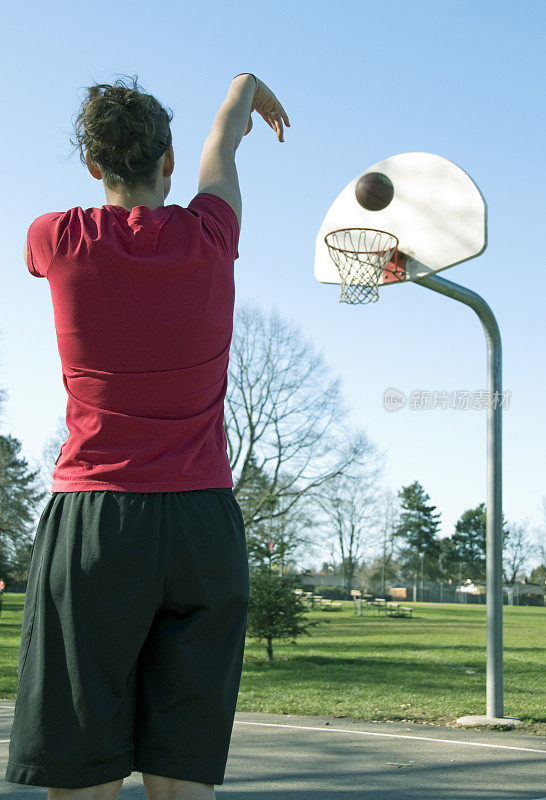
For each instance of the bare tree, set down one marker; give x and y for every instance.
(50, 451)
(278, 540)
(352, 505)
(540, 534)
(283, 413)
(517, 551)
(390, 516)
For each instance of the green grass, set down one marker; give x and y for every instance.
(376, 667)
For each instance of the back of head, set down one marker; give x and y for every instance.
(125, 131)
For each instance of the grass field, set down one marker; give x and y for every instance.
(430, 668)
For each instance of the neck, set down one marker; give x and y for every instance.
(150, 200)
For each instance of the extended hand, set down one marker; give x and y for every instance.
(267, 105)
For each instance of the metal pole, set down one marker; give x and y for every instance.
(494, 484)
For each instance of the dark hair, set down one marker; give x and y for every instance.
(125, 131)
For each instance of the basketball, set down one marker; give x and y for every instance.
(374, 191)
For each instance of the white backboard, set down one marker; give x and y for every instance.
(437, 212)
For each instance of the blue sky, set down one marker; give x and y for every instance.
(360, 81)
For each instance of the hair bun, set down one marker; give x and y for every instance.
(125, 131)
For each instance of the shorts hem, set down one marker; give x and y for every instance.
(156, 764)
(74, 778)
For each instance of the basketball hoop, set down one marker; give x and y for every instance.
(361, 255)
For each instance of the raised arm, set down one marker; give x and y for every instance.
(217, 171)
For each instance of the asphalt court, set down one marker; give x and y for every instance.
(274, 756)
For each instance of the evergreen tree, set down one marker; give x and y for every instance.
(275, 611)
(418, 527)
(469, 539)
(470, 543)
(18, 500)
(449, 564)
(538, 575)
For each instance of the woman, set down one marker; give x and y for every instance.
(135, 614)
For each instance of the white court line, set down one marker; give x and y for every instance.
(374, 733)
(392, 736)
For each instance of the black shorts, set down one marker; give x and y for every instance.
(132, 641)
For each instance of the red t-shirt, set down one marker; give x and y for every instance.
(143, 307)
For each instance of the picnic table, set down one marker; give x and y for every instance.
(329, 605)
(311, 599)
(398, 610)
(393, 609)
(377, 606)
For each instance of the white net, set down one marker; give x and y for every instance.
(361, 255)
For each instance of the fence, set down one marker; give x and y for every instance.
(433, 591)
(440, 592)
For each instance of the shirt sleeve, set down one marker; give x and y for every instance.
(42, 240)
(219, 220)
